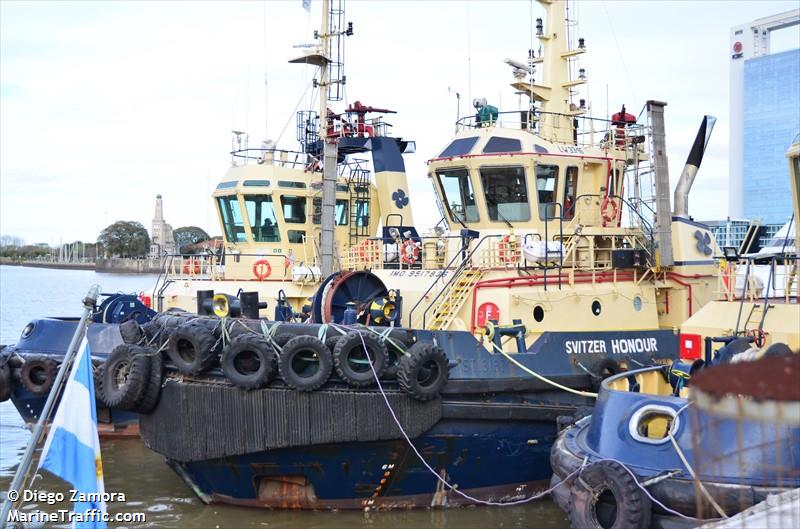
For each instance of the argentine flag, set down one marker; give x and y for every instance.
(72, 448)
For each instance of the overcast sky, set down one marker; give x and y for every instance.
(105, 105)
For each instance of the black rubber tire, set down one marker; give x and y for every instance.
(192, 348)
(152, 389)
(293, 367)
(283, 338)
(393, 360)
(605, 368)
(131, 332)
(6, 386)
(424, 371)
(727, 352)
(235, 361)
(38, 374)
(608, 485)
(97, 376)
(331, 341)
(125, 376)
(350, 360)
(777, 349)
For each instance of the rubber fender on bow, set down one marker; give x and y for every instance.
(191, 348)
(353, 354)
(606, 496)
(605, 368)
(424, 371)
(38, 374)
(305, 363)
(152, 390)
(6, 386)
(125, 376)
(131, 332)
(249, 361)
(777, 349)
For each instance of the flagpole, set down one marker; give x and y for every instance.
(89, 303)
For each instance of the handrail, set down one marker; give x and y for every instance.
(433, 284)
(457, 272)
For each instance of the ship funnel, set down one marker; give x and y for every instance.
(692, 165)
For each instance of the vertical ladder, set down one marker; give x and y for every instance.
(359, 187)
(453, 297)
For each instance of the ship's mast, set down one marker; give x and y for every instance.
(557, 109)
(330, 152)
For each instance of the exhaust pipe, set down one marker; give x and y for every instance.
(692, 165)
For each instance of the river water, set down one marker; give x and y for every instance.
(148, 484)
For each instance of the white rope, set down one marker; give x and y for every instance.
(436, 474)
(543, 378)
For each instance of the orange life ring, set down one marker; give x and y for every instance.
(191, 266)
(505, 250)
(262, 275)
(608, 217)
(409, 252)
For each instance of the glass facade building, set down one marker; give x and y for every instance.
(771, 121)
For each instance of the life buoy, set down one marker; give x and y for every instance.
(409, 252)
(604, 207)
(505, 250)
(632, 508)
(191, 266)
(262, 274)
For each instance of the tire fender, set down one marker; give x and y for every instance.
(608, 481)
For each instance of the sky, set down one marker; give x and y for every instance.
(105, 105)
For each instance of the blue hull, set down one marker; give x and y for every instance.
(49, 338)
(494, 461)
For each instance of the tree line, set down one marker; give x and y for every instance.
(120, 239)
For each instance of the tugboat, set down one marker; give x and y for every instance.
(28, 368)
(455, 353)
(650, 457)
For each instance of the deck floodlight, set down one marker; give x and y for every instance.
(582, 74)
(539, 27)
(581, 43)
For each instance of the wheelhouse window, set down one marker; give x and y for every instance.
(294, 209)
(546, 183)
(362, 213)
(232, 219)
(261, 213)
(459, 198)
(506, 193)
(296, 236)
(501, 144)
(459, 147)
(340, 213)
(570, 192)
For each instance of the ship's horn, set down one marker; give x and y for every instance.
(692, 165)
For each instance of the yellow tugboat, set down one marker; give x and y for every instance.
(550, 217)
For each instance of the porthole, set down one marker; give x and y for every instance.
(597, 308)
(637, 303)
(538, 313)
(28, 330)
(653, 424)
